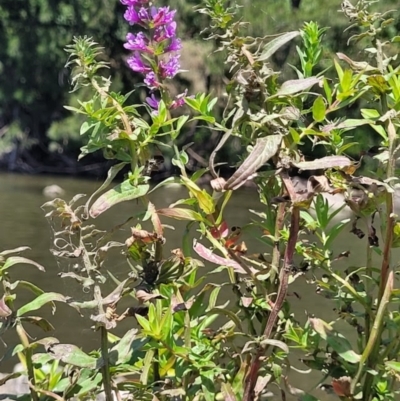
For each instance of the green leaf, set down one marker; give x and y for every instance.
(14, 260)
(167, 181)
(41, 300)
(72, 355)
(227, 313)
(122, 352)
(370, 113)
(205, 200)
(343, 347)
(294, 86)
(393, 365)
(121, 193)
(275, 44)
(264, 149)
(319, 109)
(354, 122)
(89, 384)
(180, 214)
(328, 91)
(111, 174)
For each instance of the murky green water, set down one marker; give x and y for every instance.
(23, 223)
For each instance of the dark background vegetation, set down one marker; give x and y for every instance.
(39, 136)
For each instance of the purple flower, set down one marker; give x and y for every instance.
(179, 100)
(152, 101)
(137, 42)
(136, 63)
(163, 32)
(140, 17)
(175, 45)
(151, 80)
(170, 68)
(162, 16)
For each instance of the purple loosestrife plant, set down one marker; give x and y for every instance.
(155, 49)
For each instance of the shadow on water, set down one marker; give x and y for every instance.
(23, 223)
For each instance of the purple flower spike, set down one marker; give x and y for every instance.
(136, 64)
(170, 68)
(137, 42)
(151, 47)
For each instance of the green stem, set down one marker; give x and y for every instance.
(276, 253)
(372, 346)
(28, 357)
(156, 367)
(106, 364)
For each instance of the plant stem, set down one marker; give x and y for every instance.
(276, 253)
(368, 289)
(372, 346)
(106, 366)
(255, 366)
(28, 357)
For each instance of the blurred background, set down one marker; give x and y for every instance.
(38, 135)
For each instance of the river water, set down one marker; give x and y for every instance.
(23, 224)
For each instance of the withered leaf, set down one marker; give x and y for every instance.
(263, 150)
(324, 163)
(341, 386)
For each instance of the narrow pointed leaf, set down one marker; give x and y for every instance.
(122, 352)
(180, 214)
(14, 260)
(112, 172)
(41, 300)
(208, 255)
(343, 347)
(354, 122)
(8, 377)
(44, 324)
(294, 86)
(204, 199)
(264, 149)
(16, 250)
(325, 163)
(393, 365)
(275, 44)
(121, 193)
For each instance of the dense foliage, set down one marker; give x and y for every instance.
(37, 132)
(186, 344)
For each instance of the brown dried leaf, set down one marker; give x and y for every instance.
(145, 296)
(341, 386)
(264, 149)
